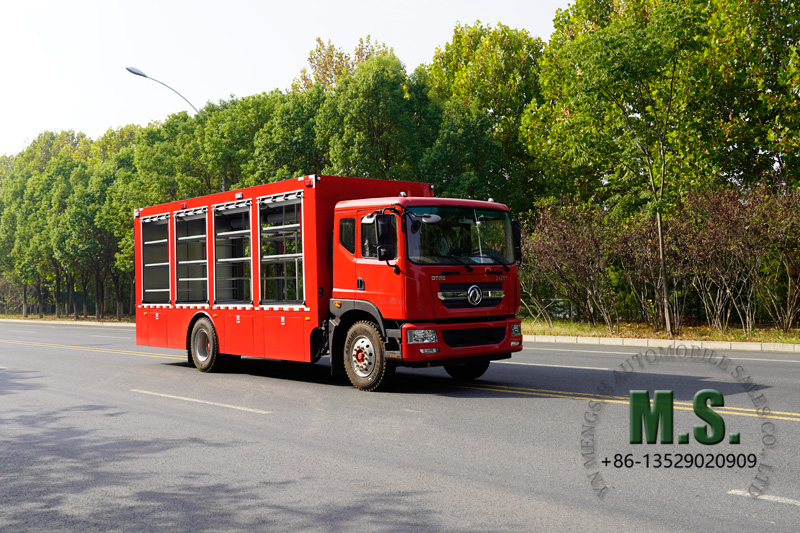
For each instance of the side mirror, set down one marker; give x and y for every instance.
(386, 252)
(383, 226)
(516, 232)
(419, 220)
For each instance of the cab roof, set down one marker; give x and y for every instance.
(413, 201)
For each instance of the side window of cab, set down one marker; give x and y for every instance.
(347, 234)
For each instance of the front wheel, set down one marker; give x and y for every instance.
(467, 371)
(364, 356)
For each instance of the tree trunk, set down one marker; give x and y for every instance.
(98, 298)
(663, 267)
(67, 294)
(58, 292)
(132, 310)
(104, 288)
(84, 290)
(117, 281)
(75, 298)
(24, 300)
(40, 295)
(791, 297)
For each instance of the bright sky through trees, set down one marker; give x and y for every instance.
(63, 63)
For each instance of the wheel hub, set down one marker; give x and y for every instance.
(202, 346)
(363, 356)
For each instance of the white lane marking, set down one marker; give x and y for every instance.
(579, 351)
(767, 497)
(553, 366)
(3, 368)
(767, 360)
(109, 337)
(247, 409)
(21, 331)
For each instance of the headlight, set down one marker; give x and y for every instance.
(516, 330)
(416, 336)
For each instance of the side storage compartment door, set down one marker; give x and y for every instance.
(157, 328)
(238, 338)
(284, 338)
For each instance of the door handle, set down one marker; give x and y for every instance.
(360, 284)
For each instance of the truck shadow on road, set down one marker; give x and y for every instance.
(535, 382)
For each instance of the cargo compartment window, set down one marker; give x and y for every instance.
(155, 260)
(232, 254)
(281, 252)
(190, 256)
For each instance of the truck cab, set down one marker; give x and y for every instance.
(422, 281)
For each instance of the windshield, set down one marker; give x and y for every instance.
(465, 235)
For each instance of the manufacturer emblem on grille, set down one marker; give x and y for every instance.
(474, 295)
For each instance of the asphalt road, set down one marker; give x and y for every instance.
(98, 434)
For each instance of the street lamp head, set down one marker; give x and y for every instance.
(134, 70)
(137, 72)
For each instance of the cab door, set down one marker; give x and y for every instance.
(344, 256)
(376, 280)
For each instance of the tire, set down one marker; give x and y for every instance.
(204, 347)
(364, 357)
(467, 371)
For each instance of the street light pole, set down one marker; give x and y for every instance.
(138, 72)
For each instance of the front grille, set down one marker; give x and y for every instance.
(454, 295)
(458, 338)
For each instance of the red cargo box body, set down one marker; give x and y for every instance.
(185, 268)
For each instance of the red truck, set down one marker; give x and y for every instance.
(374, 273)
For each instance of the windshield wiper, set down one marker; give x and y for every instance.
(454, 258)
(505, 266)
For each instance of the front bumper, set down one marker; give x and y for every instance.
(463, 341)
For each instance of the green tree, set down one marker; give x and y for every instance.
(487, 77)
(31, 197)
(287, 145)
(169, 162)
(226, 134)
(465, 160)
(743, 123)
(328, 63)
(617, 86)
(367, 124)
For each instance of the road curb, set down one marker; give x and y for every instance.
(666, 343)
(69, 323)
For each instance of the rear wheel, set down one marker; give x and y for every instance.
(204, 347)
(364, 357)
(467, 371)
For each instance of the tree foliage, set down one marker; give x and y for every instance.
(648, 119)
(486, 78)
(328, 64)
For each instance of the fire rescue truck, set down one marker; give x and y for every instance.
(375, 274)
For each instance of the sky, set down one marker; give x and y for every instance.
(63, 63)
